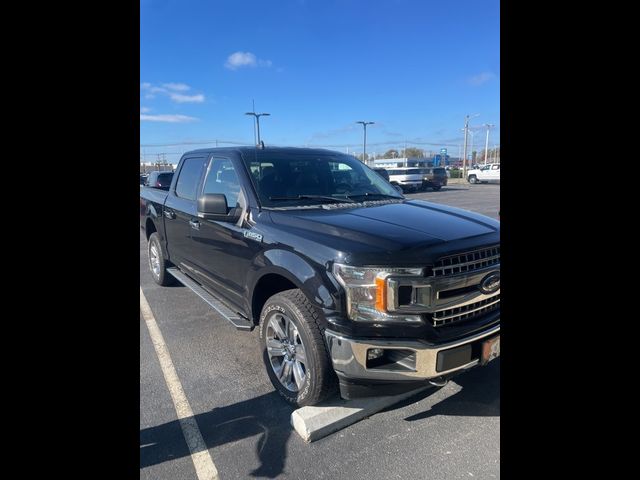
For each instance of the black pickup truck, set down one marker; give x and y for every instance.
(352, 286)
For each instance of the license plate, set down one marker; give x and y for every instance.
(490, 350)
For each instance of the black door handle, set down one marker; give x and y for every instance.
(195, 224)
(169, 214)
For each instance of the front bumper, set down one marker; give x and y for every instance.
(421, 360)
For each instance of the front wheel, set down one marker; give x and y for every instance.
(473, 179)
(294, 351)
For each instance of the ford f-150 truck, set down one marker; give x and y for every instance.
(352, 287)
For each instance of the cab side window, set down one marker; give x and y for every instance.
(189, 177)
(222, 178)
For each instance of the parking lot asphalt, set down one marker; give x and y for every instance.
(447, 433)
(483, 198)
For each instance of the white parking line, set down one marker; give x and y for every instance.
(202, 461)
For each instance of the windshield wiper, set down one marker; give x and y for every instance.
(378, 195)
(312, 197)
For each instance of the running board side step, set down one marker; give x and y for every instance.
(235, 319)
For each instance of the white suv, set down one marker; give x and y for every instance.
(406, 178)
(489, 173)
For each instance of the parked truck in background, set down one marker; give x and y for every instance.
(352, 287)
(489, 173)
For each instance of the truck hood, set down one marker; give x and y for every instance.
(390, 230)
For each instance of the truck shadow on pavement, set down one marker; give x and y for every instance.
(479, 395)
(266, 415)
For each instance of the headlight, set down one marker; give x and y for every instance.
(366, 289)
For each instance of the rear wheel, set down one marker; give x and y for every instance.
(473, 179)
(436, 187)
(294, 351)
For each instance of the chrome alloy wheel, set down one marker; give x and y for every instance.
(286, 352)
(154, 260)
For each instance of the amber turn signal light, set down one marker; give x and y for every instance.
(381, 294)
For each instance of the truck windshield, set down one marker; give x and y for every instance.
(291, 179)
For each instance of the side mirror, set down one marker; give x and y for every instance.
(213, 204)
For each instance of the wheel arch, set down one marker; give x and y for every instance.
(285, 270)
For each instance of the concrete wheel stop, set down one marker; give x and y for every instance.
(314, 423)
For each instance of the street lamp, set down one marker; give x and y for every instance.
(258, 115)
(486, 144)
(364, 153)
(466, 131)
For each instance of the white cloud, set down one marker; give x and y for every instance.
(171, 90)
(179, 98)
(481, 78)
(145, 109)
(167, 118)
(240, 59)
(245, 59)
(178, 87)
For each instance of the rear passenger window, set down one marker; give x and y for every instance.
(188, 178)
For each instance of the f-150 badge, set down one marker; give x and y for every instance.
(253, 236)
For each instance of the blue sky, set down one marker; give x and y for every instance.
(415, 67)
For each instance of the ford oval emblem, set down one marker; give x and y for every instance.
(490, 283)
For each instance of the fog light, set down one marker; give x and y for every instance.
(374, 353)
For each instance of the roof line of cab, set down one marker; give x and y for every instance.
(245, 149)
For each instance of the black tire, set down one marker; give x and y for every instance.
(472, 179)
(154, 248)
(436, 187)
(320, 380)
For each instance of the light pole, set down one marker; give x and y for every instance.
(364, 149)
(466, 131)
(258, 115)
(486, 144)
(472, 133)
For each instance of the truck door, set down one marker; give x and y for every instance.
(494, 173)
(180, 210)
(484, 174)
(221, 252)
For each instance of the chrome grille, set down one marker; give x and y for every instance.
(467, 262)
(465, 312)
